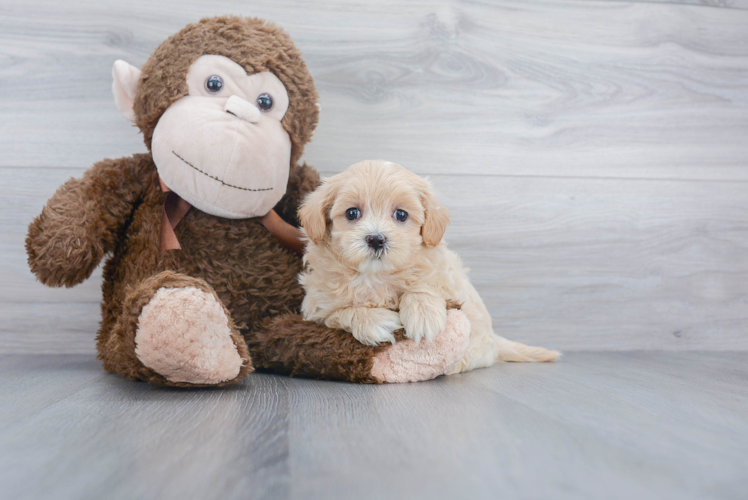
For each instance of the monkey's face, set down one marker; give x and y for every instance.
(222, 147)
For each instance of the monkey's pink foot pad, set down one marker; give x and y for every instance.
(184, 335)
(407, 361)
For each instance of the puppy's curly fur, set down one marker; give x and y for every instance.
(376, 263)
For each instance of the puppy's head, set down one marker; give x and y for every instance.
(374, 216)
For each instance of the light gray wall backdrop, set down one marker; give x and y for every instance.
(594, 154)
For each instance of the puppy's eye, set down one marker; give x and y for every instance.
(401, 215)
(352, 213)
(214, 84)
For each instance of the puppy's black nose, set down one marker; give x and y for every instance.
(376, 241)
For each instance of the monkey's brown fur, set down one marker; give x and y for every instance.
(116, 210)
(254, 44)
(311, 350)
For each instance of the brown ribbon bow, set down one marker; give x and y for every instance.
(175, 208)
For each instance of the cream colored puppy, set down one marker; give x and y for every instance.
(376, 262)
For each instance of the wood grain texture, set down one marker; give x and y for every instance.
(593, 153)
(720, 4)
(567, 88)
(572, 264)
(596, 425)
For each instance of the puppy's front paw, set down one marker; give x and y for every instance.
(376, 325)
(422, 317)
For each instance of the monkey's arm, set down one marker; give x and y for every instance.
(301, 181)
(83, 220)
(289, 345)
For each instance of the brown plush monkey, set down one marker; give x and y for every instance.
(197, 232)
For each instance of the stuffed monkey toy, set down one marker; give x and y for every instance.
(201, 234)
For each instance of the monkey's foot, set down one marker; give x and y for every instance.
(185, 336)
(407, 361)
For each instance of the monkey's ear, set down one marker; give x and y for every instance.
(124, 87)
(314, 210)
(436, 218)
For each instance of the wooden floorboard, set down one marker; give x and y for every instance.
(595, 425)
(718, 4)
(573, 264)
(564, 88)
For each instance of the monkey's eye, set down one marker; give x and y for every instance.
(401, 215)
(352, 213)
(264, 102)
(214, 84)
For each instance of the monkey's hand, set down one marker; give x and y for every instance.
(424, 315)
(62, 248)
(82, 221)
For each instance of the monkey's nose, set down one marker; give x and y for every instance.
(242, 109)
(376, 241)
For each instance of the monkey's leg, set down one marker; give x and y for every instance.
(289, 345)
(174, 330)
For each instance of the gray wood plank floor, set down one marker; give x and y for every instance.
(596, 425)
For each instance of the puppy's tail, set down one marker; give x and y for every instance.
(515, 351)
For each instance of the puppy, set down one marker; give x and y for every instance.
(375, 262)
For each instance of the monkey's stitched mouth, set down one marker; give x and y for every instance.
(217, 179)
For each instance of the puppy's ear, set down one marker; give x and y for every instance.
(436, 218)
(315, 209)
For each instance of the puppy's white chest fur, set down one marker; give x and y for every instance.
(336, 287)
(370, 290)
